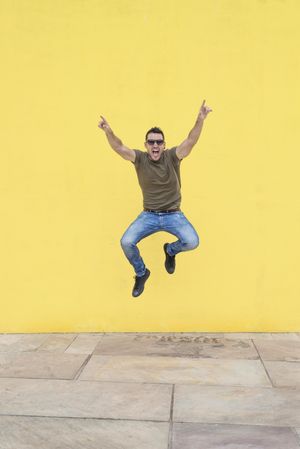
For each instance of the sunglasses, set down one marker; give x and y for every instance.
(152, 142)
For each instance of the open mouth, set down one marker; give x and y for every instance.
(155, 152)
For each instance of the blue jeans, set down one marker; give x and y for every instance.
(148, 223)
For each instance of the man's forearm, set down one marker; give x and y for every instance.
(113, 140)
(195, 132)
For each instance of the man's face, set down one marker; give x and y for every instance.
(155, 145)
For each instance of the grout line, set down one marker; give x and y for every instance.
(126, 381)
(81, 368)
(49, 335)
(83, 417)
(209, 423)
(171, 418)
(97, 344)
(262, 362)
(236, 424)
(41, 344)
(85, 380)
(76, 336)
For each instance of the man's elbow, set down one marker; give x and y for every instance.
(184, 150)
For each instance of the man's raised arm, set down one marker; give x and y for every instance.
(186, 146)
(115, 142)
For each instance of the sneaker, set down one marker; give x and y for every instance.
(170, 261)
(139, 284)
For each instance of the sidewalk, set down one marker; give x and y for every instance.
(150, 391)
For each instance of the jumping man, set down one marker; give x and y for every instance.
(158, 172)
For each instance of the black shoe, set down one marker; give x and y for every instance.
(139, 284)
(170, 261)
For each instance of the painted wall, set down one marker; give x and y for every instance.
(67, 198)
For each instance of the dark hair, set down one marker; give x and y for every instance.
(155, 130)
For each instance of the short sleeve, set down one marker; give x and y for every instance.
(173, 156)
(138, 157)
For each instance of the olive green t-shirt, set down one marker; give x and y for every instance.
(159, 180)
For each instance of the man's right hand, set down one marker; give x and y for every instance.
(103, 124)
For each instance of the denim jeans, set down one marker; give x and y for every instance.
(148, 223)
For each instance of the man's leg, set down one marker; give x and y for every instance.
(145, 224)
(177, 224)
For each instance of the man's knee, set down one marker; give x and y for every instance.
(126, 242)
(191, 243)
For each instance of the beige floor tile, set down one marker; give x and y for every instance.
(84, 344)
(263, 335)
(63, 398)
(175, 370)
(286, 336)
(57, 342)
(21, 342)
(219, 436)
(169, 334)
(284, 374)
(64, 433)
(248, 335)
(40, 365)
(281, 350)
(237, 405)
(176, 346)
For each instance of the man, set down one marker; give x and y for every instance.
(158, 172)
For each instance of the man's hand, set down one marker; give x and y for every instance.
(103, 124)
(186, 146)
(204, 111)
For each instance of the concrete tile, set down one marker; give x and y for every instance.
(263, 335)
(237, 405)
(219, 436)
(64, 433)
(285, 336)
(176, 345)
(175, 370)
(63, 398)
(191, 334)
(248, 335)
(21, 342)
(169, 334)
(40, 365)
(84, 344)
(287, 351)
(284, 374)
(57, 342)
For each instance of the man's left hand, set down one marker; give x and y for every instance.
(204, 111)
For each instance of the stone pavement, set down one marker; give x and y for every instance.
(150, 391)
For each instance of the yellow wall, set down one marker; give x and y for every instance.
(67, 198)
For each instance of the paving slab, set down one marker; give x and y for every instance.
(220, 436)
(237, 405)
(264, 335)
(21, 342)
(284, 374)
(283, 350)
(175, 370)
(64, 433)
(247, 335)
(182, 334)
(84, 344)
(285, 336)
(196, 346)
(57, 342)
(61, 398)
(40, 365)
